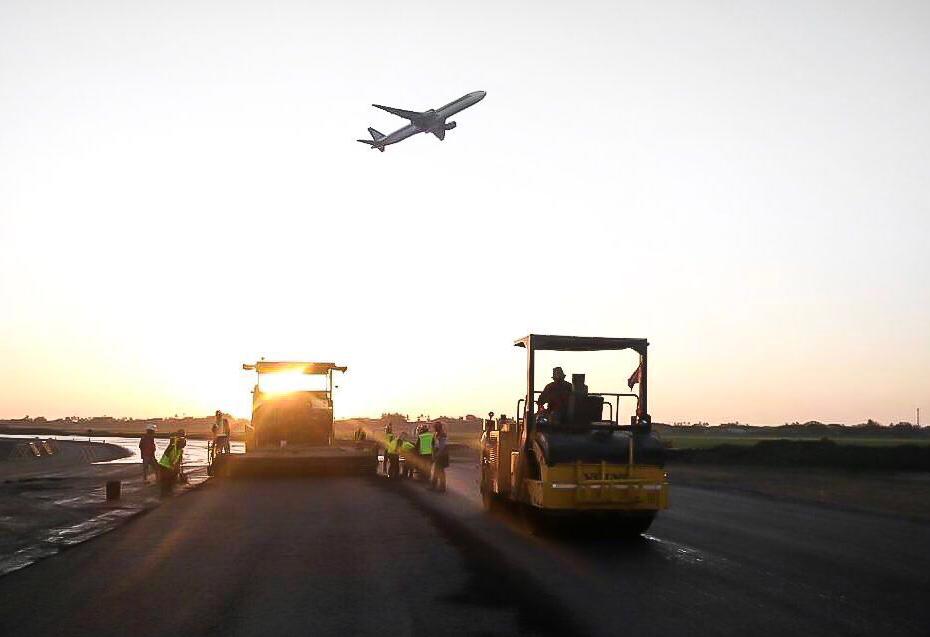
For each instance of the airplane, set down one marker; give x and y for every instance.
(431, 121)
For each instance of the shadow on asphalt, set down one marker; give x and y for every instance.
(491, 583)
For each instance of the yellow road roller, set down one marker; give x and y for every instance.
(566, 458)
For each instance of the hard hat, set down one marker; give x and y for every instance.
(150, 428)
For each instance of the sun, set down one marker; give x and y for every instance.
(284, 382)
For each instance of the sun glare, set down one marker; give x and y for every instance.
(283, 382)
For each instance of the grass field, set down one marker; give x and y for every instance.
(704, 442)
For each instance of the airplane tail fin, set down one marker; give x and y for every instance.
(375, 138)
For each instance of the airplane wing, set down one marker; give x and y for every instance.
(411, 115)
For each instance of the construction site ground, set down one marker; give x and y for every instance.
(363, 556)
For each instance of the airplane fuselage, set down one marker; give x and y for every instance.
(459, 105)
(400, 134)
(431, 121)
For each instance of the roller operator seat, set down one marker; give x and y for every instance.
(583, 409)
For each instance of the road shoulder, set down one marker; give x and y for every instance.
(46, 513)
(903, 495)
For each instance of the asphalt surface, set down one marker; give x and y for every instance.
(726, 563)
(344, 556)
(358, 557)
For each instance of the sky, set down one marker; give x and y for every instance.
(742, 183)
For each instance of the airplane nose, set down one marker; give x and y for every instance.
(480, 95)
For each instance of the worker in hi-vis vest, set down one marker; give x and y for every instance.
(170, 462)
(393, 460)
(425, 451)
(406, 448)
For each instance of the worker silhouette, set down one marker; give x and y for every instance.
(553, 401)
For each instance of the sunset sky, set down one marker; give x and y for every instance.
(745, 184)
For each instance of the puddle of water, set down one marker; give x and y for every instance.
(195, 453)
(25, 557)
(74, 494)
(77, 533)
(78, 499)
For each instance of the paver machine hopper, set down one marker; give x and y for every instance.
(292, 431)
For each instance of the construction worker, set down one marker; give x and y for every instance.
(425, 451)
(223, 440)
(147, 451)
(388, 437)
(555, 397)
(393, 460)
(212, 448)
(440, 460)
(170, 463)
(406, 448)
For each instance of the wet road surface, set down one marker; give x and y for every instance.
(52, 503)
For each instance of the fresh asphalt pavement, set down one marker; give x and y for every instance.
(343, 556)
(356, 556)
(728, 563)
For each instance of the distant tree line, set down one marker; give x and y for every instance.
(811, 428)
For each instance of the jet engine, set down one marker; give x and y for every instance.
(450, 126)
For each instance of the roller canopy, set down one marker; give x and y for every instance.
(581, 343)
(271, 367)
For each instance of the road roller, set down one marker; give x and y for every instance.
(566, 459)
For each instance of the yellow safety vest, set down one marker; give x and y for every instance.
(392, 445)
(406, 446)
(426, 443)
(170, 457)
